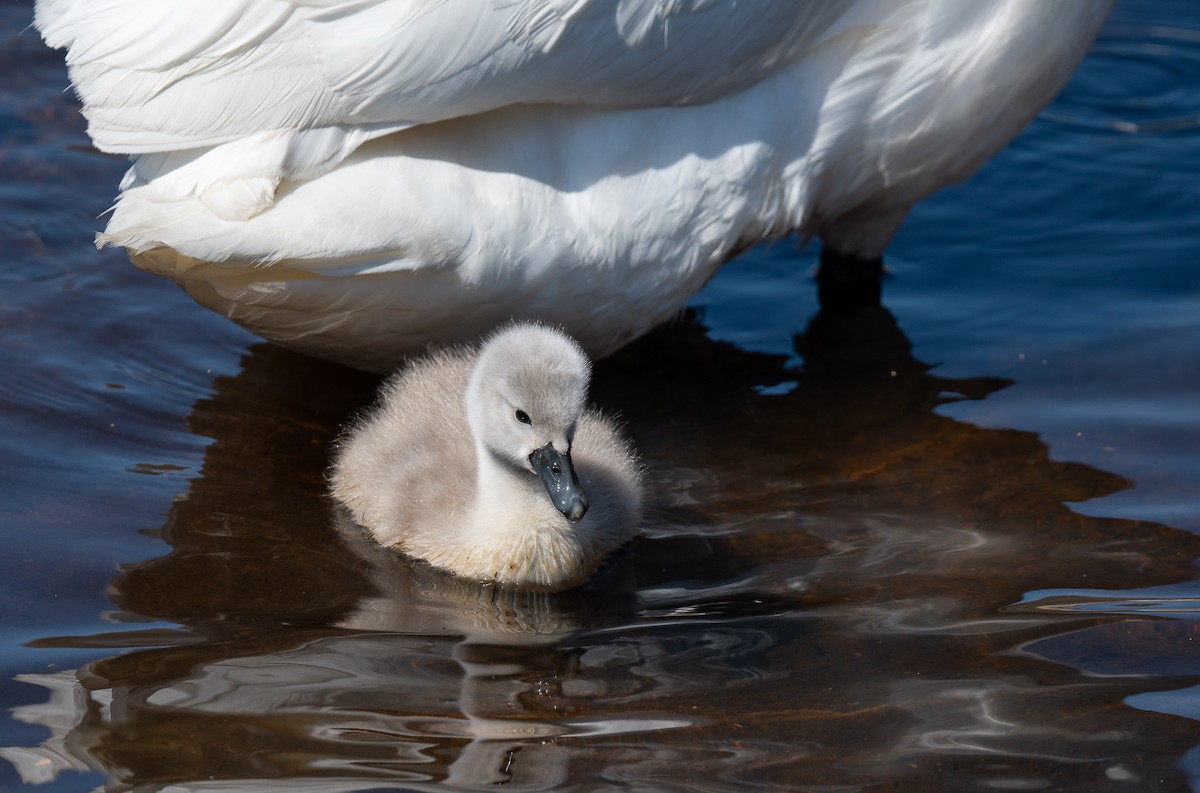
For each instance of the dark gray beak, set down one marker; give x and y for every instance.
(558, 475)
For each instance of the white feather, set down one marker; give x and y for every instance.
(358, 177)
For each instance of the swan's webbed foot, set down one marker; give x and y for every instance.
(846, 281)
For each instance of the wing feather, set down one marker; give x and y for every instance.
(157, 76)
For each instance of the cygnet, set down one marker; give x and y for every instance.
(487, 463)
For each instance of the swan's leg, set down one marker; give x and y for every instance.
(846, 281)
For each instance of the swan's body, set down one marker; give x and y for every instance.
(357, 178)
(469, 462)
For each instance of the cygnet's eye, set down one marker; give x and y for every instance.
(523, 417)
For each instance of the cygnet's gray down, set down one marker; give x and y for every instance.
(487, 463)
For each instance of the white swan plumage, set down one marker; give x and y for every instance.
(355, 178)
(487, 463)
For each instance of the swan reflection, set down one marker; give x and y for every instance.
(820, 598)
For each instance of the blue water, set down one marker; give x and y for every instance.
(946, 546)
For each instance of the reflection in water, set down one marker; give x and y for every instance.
(829, 593)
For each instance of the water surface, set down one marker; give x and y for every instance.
(945, 545)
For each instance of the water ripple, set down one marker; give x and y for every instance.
(1180, 601)
(1138, 80)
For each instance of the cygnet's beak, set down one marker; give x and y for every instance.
(558, 475)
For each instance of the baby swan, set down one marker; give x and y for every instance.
(487, 464)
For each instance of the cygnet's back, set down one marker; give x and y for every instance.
(470, 462)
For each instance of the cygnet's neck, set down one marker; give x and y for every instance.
(508, 499)
(515, 533)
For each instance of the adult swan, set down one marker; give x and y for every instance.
(355, 178)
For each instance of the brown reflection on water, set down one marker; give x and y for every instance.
(819, 602)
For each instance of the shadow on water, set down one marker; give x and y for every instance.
(827, 596)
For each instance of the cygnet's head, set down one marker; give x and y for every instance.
(526, 394)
